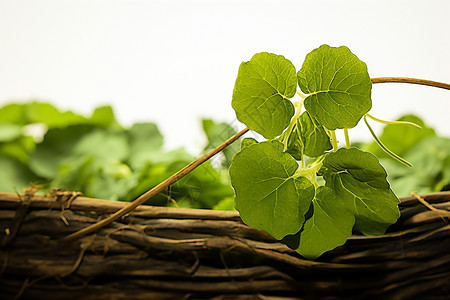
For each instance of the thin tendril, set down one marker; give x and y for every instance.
(384, 148)
(393, 122)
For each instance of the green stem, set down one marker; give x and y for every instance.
(314, 168)
(384, 148)
(334, 140)
(393, 122)
(347, 138)
(303, 96)
(298, 105)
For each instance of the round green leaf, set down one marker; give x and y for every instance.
(329, 226)
(268, 196)
(247, 142)
(358, 178)
(307, 137)
(261, 92)
(338, 87)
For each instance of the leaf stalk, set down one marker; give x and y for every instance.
(334, 140)
(347, 138)
(298, 106)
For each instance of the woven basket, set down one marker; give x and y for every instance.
(174, 253)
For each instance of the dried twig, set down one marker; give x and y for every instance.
(442, 213)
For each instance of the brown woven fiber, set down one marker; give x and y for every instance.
(175, 253)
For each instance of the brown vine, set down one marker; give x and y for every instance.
(411, 81)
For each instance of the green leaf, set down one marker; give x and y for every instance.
(315, 139)
(19, 148)
(445, 182)
(268, 196)
(225, 204)
(58, 144)
(37, 112)
(429, 154)
(295, 146)
(202, 188)
(10, 132)
(358, 178)
(103, 145)
(429, 157)
(308, 138)
(104, 116)
(329, 225)
(94, 177)
(247, 142)
(261, 92)
(14, 175)
(68, 143)
(13, 113)
(217, 133)
(400, 138)
(145, 141)
(338, 85)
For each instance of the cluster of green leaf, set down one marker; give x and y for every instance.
(98, 157)
(298, 186)
(424, 149)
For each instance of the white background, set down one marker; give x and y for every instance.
(173, 62)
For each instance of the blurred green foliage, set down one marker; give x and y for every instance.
(97, 156)
(428, 152)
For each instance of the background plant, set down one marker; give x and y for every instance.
(97, 156)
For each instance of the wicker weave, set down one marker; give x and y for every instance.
(171, 253)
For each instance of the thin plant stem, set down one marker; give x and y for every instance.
(298, 105)
(303, 96)
(154, 191)
(384, 148)
(334, 140)
(393, 122)
(347, 138)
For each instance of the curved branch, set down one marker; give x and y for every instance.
(412, 81)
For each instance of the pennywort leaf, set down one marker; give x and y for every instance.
(358, 178)
(307, 138)
(268, 196)
(338, 87)
(247, 142)
(315, 139)
(329, 225)
(261, 92)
